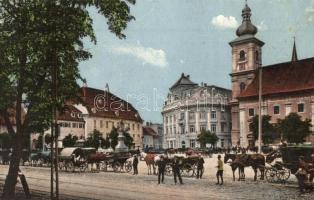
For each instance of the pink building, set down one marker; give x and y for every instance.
(287, 87)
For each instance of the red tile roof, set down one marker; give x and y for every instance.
(70, 113)
(149, 131)
(282, 78)
(101, 103)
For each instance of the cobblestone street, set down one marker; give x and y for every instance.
(111, 185)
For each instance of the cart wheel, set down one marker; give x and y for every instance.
(70, 167)
(187, 170)
(83, 166)
(283, 174)
(128, 167)
(168, 170)
(117, 167)
(271, 175)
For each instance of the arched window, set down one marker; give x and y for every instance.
(242, 87)
(242, 55)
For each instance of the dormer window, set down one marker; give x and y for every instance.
(242, 56)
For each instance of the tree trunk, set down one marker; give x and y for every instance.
(11, 179)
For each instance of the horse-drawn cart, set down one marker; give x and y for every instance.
(72, 158)
(291, 155)
(117, 162)
(188, 166)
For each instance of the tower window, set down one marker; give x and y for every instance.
(256, 56)
(242, 55)
(242, 87)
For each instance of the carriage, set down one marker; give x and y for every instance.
(73, 158)
(188, 166)
(118, 162)
(290, 155)
(40, 159)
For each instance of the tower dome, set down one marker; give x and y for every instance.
(246, 27)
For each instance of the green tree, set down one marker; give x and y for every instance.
(113, 136)
(293, 129)
(269, 133)
(206, 137)
(94, 139)
(35, 37)
(69, 140)
(39, 143)
(5, 141)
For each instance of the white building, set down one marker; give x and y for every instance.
(153, 135)
(191, 108)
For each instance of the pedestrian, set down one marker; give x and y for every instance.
(200, 166)
(176, 170)
(220, 170)
(135, 164)
(161, 169)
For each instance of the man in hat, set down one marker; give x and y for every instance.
(135, 164)
(200, 166)
(176, 170)
(161, 169)
(220, 170)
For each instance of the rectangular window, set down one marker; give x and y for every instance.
(192, 143)
(107, 124)
(192, 128)
(74, 125)
(222, 143)
(174, 118)
(213, 128)
(101, 124)
(202, 115)
(222, 127)
(133, 127)
(170, 130)
(80, 125)
(174, 129)
(182, 116)
(95, 124)
(301, 107)
(251, 112)
(203, 128)
(276, 110)
(138, 127)
(182, 130)
(191, 116)
(213, 114)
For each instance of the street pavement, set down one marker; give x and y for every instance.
(116, 186)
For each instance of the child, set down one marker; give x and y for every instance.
(220, 170)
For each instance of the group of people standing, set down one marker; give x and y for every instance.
(176, 164)
(177, 174)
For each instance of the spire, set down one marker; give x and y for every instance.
(294, 52)
(246, 27)
(107, 88)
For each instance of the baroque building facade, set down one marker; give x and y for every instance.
(191, 108)
(286, 87)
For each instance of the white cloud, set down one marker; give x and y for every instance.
(262, 26)
(156, 57)
(181, 61)
(309, 12)
(223, 22)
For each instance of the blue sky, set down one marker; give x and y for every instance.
(169, 37)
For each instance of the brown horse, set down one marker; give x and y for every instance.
(150, 162)
(234, 166)
(256, 161)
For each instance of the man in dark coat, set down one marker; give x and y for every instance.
(176, 170)
(200, 167)
(135, 164)
(161, 169)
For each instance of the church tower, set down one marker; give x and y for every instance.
(246, 59)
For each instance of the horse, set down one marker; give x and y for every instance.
(256, 161)
(234, 166)
(150, 162)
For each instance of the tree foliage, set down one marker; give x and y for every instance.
(269, 133)
(35, 37)
(113, 136)
(39, 141)
(294, 129)
(5, 141)
(94, 139)
(69, 140)
(206, 137)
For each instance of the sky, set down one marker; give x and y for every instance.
(170, 37)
